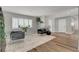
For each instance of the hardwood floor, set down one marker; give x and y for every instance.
(52, 46)
(56, 45)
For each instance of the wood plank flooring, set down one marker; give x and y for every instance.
(52, 46)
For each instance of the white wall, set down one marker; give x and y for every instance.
(71, 13)
(47, 22)
(52, 23)
(8, 22)
(46, 19)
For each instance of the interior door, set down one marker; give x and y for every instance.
(62, 25)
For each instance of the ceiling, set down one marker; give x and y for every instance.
(36, 10)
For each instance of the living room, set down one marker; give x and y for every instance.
(32, 28)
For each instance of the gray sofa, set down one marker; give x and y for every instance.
(15, 35)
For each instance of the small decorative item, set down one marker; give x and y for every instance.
(39, 20)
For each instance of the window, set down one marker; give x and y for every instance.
(20, 22)
(30, 23)
(16, 22)
(26, 24)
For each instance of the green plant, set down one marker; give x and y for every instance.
(24, 29)
(2, 33)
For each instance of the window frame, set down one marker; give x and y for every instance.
(18, 22)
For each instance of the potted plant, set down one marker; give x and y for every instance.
(24, 29)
